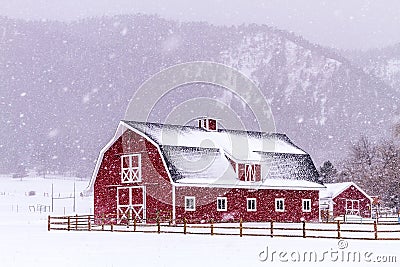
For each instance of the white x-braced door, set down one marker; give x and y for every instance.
(131, 204)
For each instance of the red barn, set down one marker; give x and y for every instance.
(345, 199)
(203, 173)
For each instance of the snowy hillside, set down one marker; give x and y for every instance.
(64, 87)
(317, 97)
(383, 63)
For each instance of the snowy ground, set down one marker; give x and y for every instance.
(25, 240)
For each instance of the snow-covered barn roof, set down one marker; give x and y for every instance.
(241, 145)
(333, 190)
(197, 156)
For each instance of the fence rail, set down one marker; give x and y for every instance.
(340, 230)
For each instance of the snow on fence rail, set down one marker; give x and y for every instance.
(340, 230)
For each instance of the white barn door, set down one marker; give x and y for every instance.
(131, 204)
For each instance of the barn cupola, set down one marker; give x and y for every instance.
(209, 124)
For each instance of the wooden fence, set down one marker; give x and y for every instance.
(339, 230)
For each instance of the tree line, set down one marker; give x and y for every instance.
(372, 165)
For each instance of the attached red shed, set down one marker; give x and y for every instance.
(345, 199)
(203, 173)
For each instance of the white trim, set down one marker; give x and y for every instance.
(117, 135)
(173, 205)
(223, 199)
(194, 203)
(247, 204)
(306, 200)
(276, 204)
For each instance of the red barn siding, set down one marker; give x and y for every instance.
(154, 176)
(206, 207)
(339, 206)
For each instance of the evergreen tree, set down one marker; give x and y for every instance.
(328, 172)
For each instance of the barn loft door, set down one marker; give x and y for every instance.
(352, 207)
(131, 204)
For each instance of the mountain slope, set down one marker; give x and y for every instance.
(64, 87)
(382, 63)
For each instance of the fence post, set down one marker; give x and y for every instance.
(69, 223)
(375, 230)
(48, 223)
(158, 224)
(76, 222)
(272, 228)
(212, 227)
(304, 229)
(241, 227)
(184, 226)
(134, 224)
(89, 224)
(338, 229)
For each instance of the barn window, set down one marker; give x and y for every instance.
(250, 172)
(306, 207)
(222, 204)
(131, 168)
(190, 203)
(251, 204)
(352, 207)
(279, 204)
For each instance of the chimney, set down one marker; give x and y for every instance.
(209, 124)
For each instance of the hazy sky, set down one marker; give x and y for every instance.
(337, 23)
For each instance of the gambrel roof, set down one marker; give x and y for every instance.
(196, 156)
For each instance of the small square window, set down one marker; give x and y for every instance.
(251, 204)
(222, 204)
(306, 206)
(279, 204)
(190, 203)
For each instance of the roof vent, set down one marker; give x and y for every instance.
(208, 124)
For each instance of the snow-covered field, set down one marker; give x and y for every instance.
(25, 240)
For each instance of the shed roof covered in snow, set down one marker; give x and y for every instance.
(333, 190)
(196, 156)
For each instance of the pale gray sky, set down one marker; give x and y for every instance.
(337, 23)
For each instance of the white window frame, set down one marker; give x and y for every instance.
(222, 200)
(186, 203)
(248, 200)
(276, 204)
(131, 174)
(303, 205)
(353, 210)
(250, 172)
